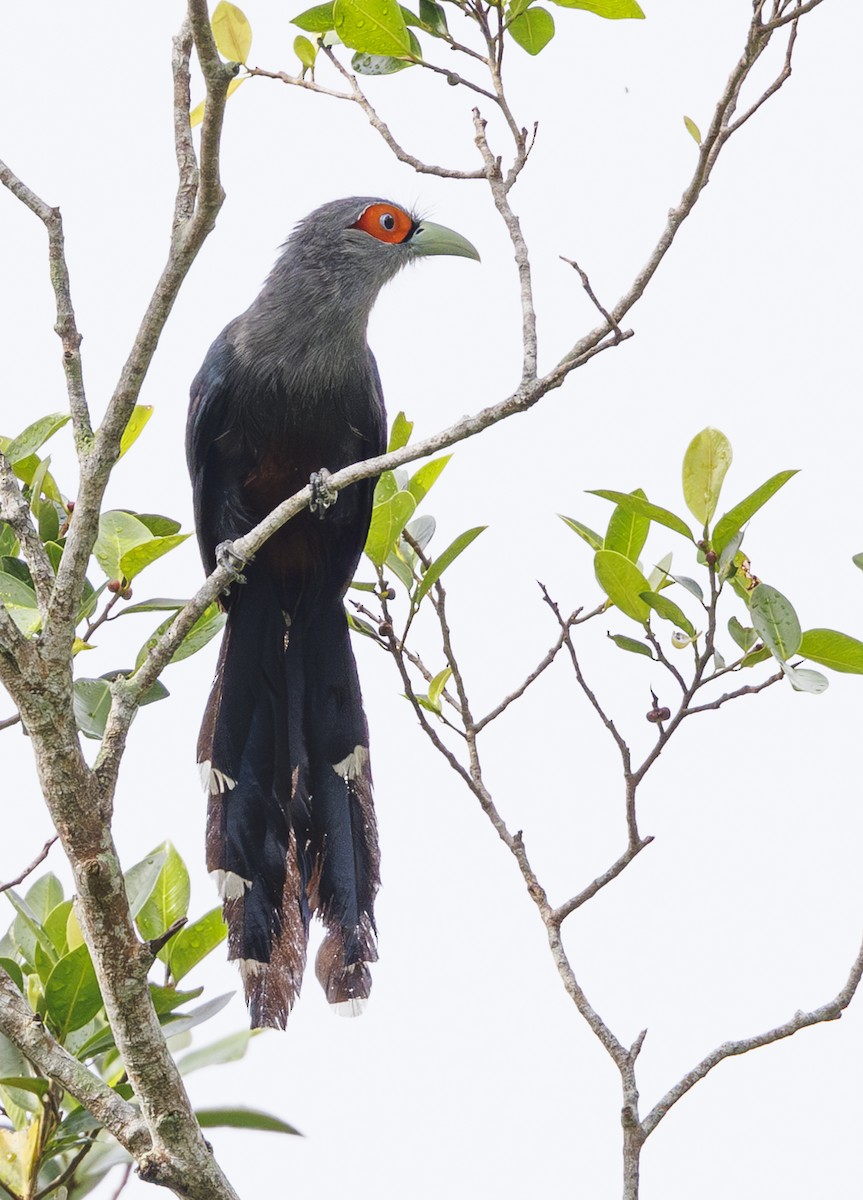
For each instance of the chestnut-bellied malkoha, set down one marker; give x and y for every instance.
(288, 390)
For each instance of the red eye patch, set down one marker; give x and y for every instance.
(386, 223)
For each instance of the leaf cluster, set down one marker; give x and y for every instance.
(54, 1147)
(771, 627)
(127, 544)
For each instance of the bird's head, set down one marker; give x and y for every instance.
(348, 249)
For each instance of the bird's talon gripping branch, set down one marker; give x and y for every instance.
(323, 496)
(226, 556)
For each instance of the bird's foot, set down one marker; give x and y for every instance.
(226, 556)
(323, 496)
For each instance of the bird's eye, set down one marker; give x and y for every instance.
(386, 223)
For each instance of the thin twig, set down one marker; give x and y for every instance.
(534, 674)
(748, 690)
(8, 722)
(585, 283)
(124, 1179)
(40, 858)
(831, 1011)
(69, 1172)
(65, 327)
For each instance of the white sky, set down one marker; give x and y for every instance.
(471, 1075)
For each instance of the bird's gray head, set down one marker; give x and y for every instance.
(339, 257)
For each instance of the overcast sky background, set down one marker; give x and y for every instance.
(471, 1073)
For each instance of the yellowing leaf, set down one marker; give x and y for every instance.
(232, 32)
(141, 414)
(693, 129)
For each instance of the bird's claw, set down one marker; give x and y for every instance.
(323, 496)
(226, 556)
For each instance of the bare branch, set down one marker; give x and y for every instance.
(500, 195)
(748, 690)
(40, 858)
(66, 327)
(831, 1011)
(534, 675)
(794, 15)
(617, 867)
(585, 283)
(8, 722)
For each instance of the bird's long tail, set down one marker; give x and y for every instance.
(290, 827)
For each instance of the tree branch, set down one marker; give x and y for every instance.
(831, 1011)
(40, 858)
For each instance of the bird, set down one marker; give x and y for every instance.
(288, 392)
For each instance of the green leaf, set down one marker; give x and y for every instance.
(692, 129)
(586, 534)
(388, 520)
(440, 564)
(423, 480)
(19, 600)
(158, 525)
(858, 560)
(169, 899)
(742, 635)
(227, 1049)
(644, 508)
(400, 434)
(119, 532)
(157, 604)
(49, 524)
(436, 688)
(175, 1024)
(242, 1118)
(305, 51)
(659, 577)
(833, 649)
(372, 26)
(194, 942)
(13, 970)
(135, 560)
(630, 644)
(56, 924)
(803, 680)
(35, 436)
(612, 10)
(27, 929)
(319, 19)
(72, 995)
(8, 541)
(754, 657)
(44, 896)
(141, 414)
(91, 701)
(384, 64)
(232, 32)
(627, 530)
(737, 517)
(776, 621)
(705, 463)
(532, 29)
(669, 611)
(33, 471)
(623, 583)
(422, 530)
(210, 622)
(397, 563)
(166, 999)
(141, 879)
(433, 17)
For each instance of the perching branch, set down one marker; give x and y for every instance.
(40, 858)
